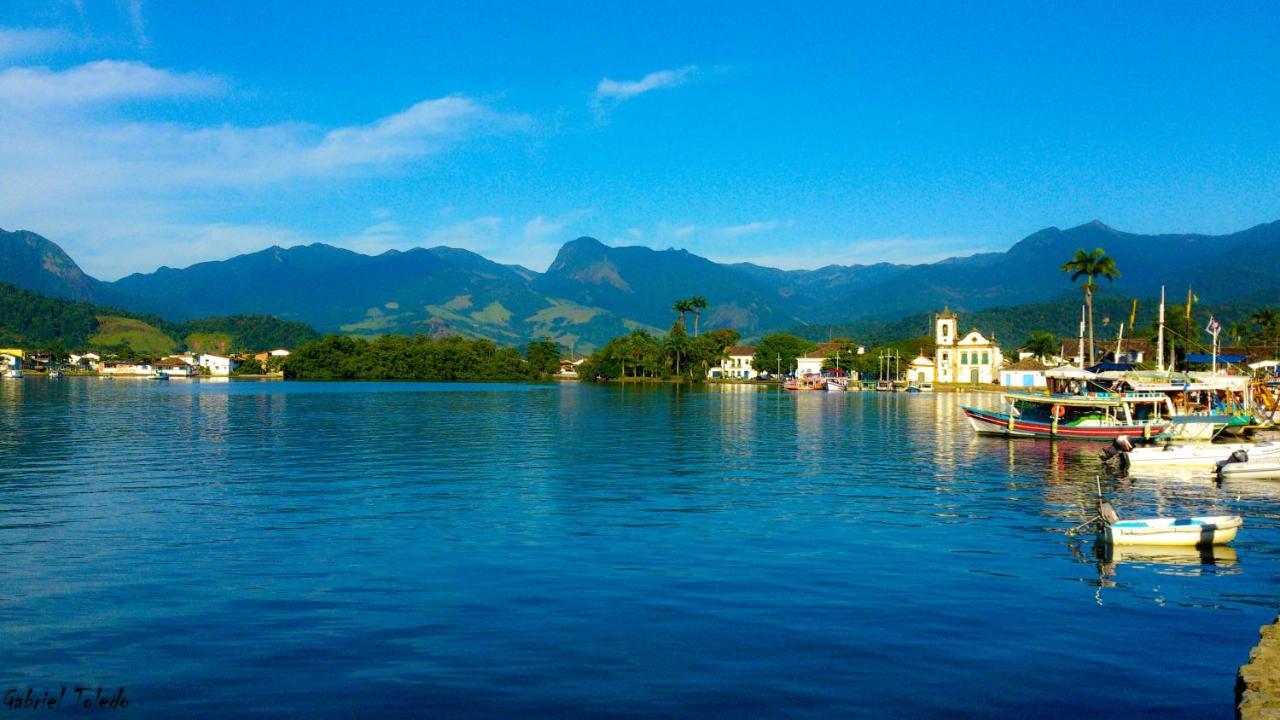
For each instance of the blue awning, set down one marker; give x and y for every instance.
(1104, 366)
(1207, 358)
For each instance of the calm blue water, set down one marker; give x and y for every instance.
(397, 549)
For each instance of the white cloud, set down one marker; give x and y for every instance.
(753, 228)
(25, 42)
(98, 82)
(133, 9)
(542, 228)
(626, 89)
(420, 130)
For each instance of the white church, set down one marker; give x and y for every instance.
(972, 359)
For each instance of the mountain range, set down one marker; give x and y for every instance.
(592, 292)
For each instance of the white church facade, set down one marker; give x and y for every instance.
(972, 359)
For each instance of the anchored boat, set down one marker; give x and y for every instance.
(1085, 416)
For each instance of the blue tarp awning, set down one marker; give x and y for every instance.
(1104, 366)
(1207, 358)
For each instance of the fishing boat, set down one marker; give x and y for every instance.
(1083, 415)
(837, 384)
(808, 381)
(55, 373)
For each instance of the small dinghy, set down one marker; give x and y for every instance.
(1164, 532)
(1207, 456)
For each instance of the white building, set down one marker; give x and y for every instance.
(970, 359)
(218, 365)
(128, 369)
(921, 370)
(86, 361)
(1026, 373)
(737, 365)
(175, 367)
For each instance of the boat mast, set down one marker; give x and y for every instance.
(1160, 335)
(1081, 337)
(1119, 340)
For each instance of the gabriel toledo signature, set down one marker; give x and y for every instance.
(75, 698)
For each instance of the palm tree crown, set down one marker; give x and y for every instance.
(1091, 266)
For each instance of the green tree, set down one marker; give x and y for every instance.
(1091, 266)
(543, 357)
(676, 346)
(710, 349)
(697, 304)
(1042, 345)
(779, 350)
(1267, 320)
(842, 354)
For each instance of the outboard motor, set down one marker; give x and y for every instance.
(1239, 456)
(1117, 453)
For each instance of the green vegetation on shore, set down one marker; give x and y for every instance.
(398, 357)
(34, 321)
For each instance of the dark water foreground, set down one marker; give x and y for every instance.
(365, 549)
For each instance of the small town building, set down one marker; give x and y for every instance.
(1025, 373)
(175, 367)
(569, 368)
(86, 361)
(737, 365)
(11, 361)
(811, 362)
(265, 357)
(127, 368)
(972, 358)
(217, 365)
(921, 370)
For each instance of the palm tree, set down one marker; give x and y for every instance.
(1091, 266)
(1042, 345)
(1238, 331)
(697, 304)
(683, 307)
(1268, 322)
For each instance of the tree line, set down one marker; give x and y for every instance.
(398, 357)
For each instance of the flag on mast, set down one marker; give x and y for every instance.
(1133, 313)
(1213, 327)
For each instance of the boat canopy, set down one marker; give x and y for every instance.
(1087, 400)
(1069, 372)
(1111, 367)
(1264, 364)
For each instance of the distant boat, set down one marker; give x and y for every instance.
(837, 384)
(12, 373)
(1250, 469)
(921, 387)
(806, 382)
(55, 373)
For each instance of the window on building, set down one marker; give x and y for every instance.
(984, 359)
(946, 329)
(964, 358)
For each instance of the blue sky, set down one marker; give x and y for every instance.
(138, 134)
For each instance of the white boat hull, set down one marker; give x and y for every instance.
(1199, 456)
(1174, 532)
(1251, 469)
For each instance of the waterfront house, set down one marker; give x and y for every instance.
(1025, 373)
(736, 365)
(811, 362)
(11, 361)
(973, 358)
(127, 368)
(175, 367)
(217, 365)
(569, 368)
(86, 361)
(265, 357)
